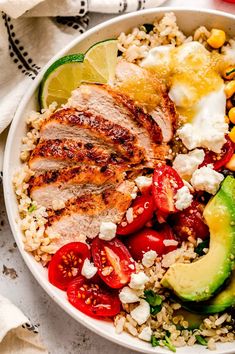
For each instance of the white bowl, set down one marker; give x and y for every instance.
(188, 20)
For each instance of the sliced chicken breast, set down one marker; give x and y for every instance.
(57, 154)
(83, 215)
(121, 110)
(89, 127)
(164, 114)
(55, 187)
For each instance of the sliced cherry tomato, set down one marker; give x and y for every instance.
(143, 208)
(166, 182)
(113, 261)
(190, 222)
(169, 235)
(66, 264)
(93, 298)
(219, 160)
(149, 239)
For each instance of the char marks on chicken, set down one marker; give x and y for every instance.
(87, 150)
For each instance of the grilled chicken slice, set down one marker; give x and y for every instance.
(59, 186)
(57, 154)
(88, 127)
(82, 216)
(164, 114)
(120, 109)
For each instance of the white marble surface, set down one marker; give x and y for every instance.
(60, 333)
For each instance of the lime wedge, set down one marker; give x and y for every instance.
(100, 61)
(67, 73)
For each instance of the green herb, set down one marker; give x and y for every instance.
(148, 27)
(32, 208)
(168, 344)
(154, 341)
(154, 300)
(201, 340)
(201, 246)
(230, 72)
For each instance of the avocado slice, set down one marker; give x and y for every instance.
(199, 280)
(194, 320)
(219, 303)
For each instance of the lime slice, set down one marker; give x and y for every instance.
(60, 79)
(67, 73)
(100, 62)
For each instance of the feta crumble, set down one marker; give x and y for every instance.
(149, 258)
(183, 198)
(138, 280)
(128, 295)
(141, 313)
(206, 179)
(88, 269)
(186, 164)
(107, 230)
(143, 182)
(146, 334)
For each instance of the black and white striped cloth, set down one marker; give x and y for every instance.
(32, 31)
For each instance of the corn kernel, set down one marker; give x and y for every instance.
(227, 71)
(232, 134)
(217, 38)
(231, 164)
(230, 88)
(231, 115)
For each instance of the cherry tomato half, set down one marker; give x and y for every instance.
(93, 298)
(66, 264)
(166, 182)
(149, 239)
(143, 208)
(190, 222)
(113, 261)
(219, 160)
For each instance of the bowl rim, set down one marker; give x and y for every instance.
(7, 187)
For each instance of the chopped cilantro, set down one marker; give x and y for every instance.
(230, 72)
(148, 27)
(32, 208)
(154, 300)
(201, 340)
(201, 246)
(168, 344)
(154, 341)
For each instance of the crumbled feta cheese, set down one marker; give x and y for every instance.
(146, 334)
(88, 269)
(183, 198)
(169, 243)
(138, 280)
(186, 164)
(206, 179)
(149, 258)
(129, 215)
(141, 313)
(128, 295)
(107, 230)
(143, 182)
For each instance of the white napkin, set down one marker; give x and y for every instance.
(29, 41)
(17, 334)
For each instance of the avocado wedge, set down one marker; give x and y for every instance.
(194, 320)
(219, 303)
(198, 281)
